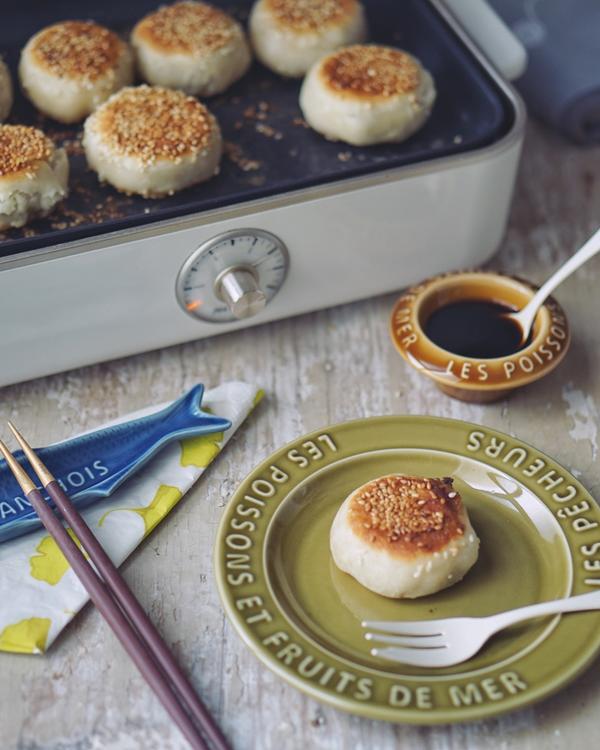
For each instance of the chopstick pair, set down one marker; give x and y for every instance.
(116, 603)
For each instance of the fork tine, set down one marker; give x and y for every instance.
(399, 627)
(416, 657)
(415, 641)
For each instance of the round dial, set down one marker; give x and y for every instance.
(233, 275)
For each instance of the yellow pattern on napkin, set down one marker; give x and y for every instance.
(162, 502)
(200, 451)
(26, 637)
(50, 565)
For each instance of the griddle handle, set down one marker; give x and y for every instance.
(491, 35)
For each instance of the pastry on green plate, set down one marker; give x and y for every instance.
(404, 536)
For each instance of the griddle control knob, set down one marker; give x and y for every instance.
(232, 276)
(238, 287)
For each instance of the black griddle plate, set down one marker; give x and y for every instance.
(268, 148)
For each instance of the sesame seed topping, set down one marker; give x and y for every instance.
(188, 27)
(408, 511)
(371, 70)
(22, 148)
(151, 122)
(309, 15)
(77, 49)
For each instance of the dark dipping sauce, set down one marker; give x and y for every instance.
(475, 329)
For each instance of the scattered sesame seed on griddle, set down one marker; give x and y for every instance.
(371, 70)
(309, 15)
(151, 123)
(188, 27)
(268, 131)
(403, 508)
(77, 49)
(257, 112)
(236, 155)
(22, 148)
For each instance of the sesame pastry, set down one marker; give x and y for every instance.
(288, 36)
(367, 94)
(403, 536)
(70, 68)
(152, 141)
(33, 175)
(191, 46)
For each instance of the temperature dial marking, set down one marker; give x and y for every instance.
(232, 276)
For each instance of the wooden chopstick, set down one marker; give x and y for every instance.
(114, 600)
(124, 596)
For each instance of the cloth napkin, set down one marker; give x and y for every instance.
(562, 82)
(40, 594)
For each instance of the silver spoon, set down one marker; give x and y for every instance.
(524, 318)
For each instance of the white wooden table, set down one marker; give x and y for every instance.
(319, 368)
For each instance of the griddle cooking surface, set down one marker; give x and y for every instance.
(268, 147)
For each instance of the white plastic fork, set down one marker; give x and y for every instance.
(442, 643)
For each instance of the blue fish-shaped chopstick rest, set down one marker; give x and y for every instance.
(92, 466)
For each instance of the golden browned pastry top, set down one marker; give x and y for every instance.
(22, 148)
(188, 27)
(151, 123)
(370, 71)
(76, 49)
(407, 515)
(310, 15)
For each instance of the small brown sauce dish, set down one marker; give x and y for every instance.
(451, 328)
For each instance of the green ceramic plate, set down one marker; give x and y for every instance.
(540, 539)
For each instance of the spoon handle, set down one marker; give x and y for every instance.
(587, 251)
